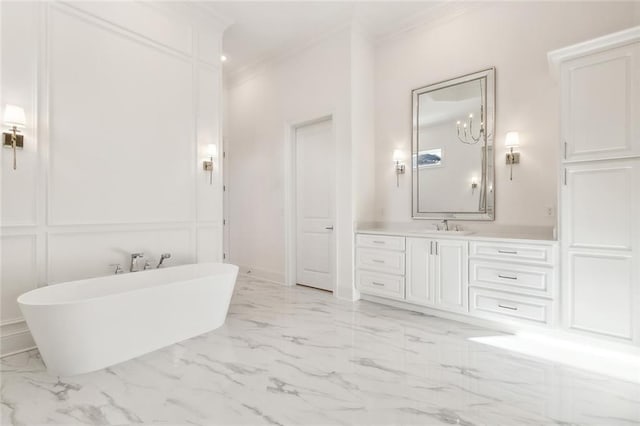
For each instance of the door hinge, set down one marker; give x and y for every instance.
(224, 256)
(224, 188)
(224, 154)
(224, 222)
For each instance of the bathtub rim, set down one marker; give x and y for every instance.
(233, 269)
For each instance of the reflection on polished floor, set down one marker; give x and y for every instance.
(299, 356)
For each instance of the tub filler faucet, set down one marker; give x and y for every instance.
(134, 260)
(163, 256)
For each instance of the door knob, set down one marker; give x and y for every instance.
(329, 227)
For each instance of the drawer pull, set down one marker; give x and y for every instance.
(507, 252)
(378, 242)
(378, 284)
(512, 308)
(377, 260)
(507, 277)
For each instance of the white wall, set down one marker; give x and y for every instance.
(515, 38)
(306, 85)
(121, 102)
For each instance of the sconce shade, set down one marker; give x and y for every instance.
(14, 116)
(512, 140)
(212, 150)
(398, 155)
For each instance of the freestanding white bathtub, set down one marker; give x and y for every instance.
(86, 325)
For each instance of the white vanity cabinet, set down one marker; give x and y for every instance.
(600, 186)
(502, 280)
(380, 265)
(513, 281)
(437, 273)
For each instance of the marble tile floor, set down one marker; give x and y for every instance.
(297, 356)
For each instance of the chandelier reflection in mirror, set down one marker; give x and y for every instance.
(465, 134)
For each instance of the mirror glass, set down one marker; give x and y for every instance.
(452, 158)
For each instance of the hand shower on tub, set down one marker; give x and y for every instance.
(163, 256)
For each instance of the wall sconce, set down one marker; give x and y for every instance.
(512, 140)
(15, 120)
(398, 156)
(207, 165)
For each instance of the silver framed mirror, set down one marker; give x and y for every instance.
(452, 148)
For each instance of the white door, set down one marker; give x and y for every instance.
(419, 271)
(601, 104)
(450, 275)
(315, 200)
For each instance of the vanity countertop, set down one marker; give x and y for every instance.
(524, 236)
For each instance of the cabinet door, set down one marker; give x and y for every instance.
(450, 275)
(599, 203)
(601, 294)
(600, 241)
(600, 105)
(419, 288)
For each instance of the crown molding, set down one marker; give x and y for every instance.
(431, 17)
(268, 61)
(200, 13)
(609, 41)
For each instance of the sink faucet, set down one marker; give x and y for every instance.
(445, 224)
(134, 258)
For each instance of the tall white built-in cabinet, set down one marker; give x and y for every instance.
(600, 186)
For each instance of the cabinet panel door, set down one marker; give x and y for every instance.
(600, 96)
(599, 205)
(419, 288)
(601, 294)
(450, 275)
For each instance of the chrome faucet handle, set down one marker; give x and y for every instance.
(457, 228)
(147, 264)
(163, 257)
(436, 226)
(118, 269)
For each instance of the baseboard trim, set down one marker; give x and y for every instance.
(463, 318)
(263, 274)
(15, 338)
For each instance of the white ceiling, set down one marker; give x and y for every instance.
(265, 29)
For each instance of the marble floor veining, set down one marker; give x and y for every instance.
(297, 356)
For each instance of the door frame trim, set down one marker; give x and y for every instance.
(290, 199)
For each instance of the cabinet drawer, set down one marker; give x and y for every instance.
(495, 304)
(380, 241)
(380, 284)
(533, 280)
(513, 251)
(391, 262)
